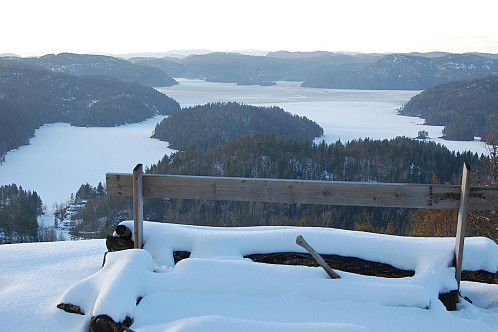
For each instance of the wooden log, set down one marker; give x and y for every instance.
(122, 241)
(449, 299)
(359, 266)
(104, 323)
(480, 276)
(302, 242)
(115, 243)
(342, 263)
(179, 255)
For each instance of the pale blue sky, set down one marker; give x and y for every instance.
(33, 27)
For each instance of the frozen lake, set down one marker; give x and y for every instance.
(60, 158)
(343, 114)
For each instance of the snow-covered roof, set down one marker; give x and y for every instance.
(217, 289)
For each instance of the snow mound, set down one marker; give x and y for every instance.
(217, 289)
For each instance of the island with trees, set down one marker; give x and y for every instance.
(215, 124)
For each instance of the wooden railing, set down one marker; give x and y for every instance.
(403, 195)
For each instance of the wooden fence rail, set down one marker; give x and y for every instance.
(403, 195)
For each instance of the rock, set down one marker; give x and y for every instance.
(71, 308)
(115, 243)
(104, 323)
(123, 231)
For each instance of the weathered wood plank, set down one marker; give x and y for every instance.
(462, 222)
(119, 184)
(341, 263)
(306, 192)
(356, 265)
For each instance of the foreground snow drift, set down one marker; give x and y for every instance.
(34, 275)
(217, 289)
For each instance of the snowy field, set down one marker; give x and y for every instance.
(60, 158)
(216, 289)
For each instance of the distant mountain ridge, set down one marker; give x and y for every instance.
(240, 68)
(415, 71)
(319, 69)
(89, 64)
(31, 96)
(295, 55)
(408, 72)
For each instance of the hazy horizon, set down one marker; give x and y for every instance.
(120, 27)
(187, 52)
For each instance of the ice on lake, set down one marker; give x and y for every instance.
(343, 114)
(60, 157)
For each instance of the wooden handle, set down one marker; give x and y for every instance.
(302, 242)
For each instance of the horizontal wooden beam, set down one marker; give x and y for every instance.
(429, 196)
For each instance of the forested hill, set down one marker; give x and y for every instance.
(214, 124)
(88, 64)
(400, 160)
(408, 72)
(267, 156)
(250, 69)
(31, 96)
(465, 108)
(415, 71)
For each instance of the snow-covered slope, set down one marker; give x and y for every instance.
(216, 289)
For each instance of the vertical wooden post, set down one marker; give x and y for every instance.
(138, 207)
(462, 222)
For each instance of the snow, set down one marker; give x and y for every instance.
(216, 289)
(45, 221)
(343, 114)
(32, 277)
(60, 158)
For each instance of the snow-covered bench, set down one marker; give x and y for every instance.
(404, 195)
